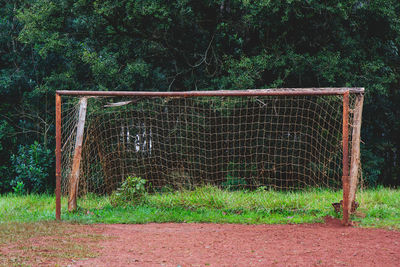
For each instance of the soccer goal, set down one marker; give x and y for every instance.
(281, 139)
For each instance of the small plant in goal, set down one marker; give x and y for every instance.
(131, 192)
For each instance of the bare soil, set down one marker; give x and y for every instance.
(172, 244)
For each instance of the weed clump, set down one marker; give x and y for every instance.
(131, 192)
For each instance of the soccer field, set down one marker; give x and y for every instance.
(194, 228)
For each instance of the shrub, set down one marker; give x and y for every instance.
(31, 166)
(5, 179)
(131, 192)
(7, 145)
(234, 183)
(19, 189)
(372, 166)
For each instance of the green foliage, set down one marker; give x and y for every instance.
(5, 179)
(234, 183)
(19, 188)
(6, 136)
(131, 192)
(200, 45)
(233, 179)
(261, 189)
(7, 142)
(372, 165)
(25, 101)
(31, 166)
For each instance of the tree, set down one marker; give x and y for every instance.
(203, 45)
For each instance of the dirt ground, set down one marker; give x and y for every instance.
(171, 244)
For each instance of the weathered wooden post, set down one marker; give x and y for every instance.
(58, 157)
(74, 176)
(345, 175)
(355, 148)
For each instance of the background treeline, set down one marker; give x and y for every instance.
(192, 45)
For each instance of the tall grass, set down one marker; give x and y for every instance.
(378, 207)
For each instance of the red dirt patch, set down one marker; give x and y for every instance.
(173, 244)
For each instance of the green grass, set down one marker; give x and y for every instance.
(380, 206)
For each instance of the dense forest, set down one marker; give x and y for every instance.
(179, 45)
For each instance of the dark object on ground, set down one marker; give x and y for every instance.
(339, 206)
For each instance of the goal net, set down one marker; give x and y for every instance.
(284, 139)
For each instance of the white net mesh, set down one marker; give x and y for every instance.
(280, 142)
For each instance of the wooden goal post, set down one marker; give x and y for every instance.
(351, 120)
